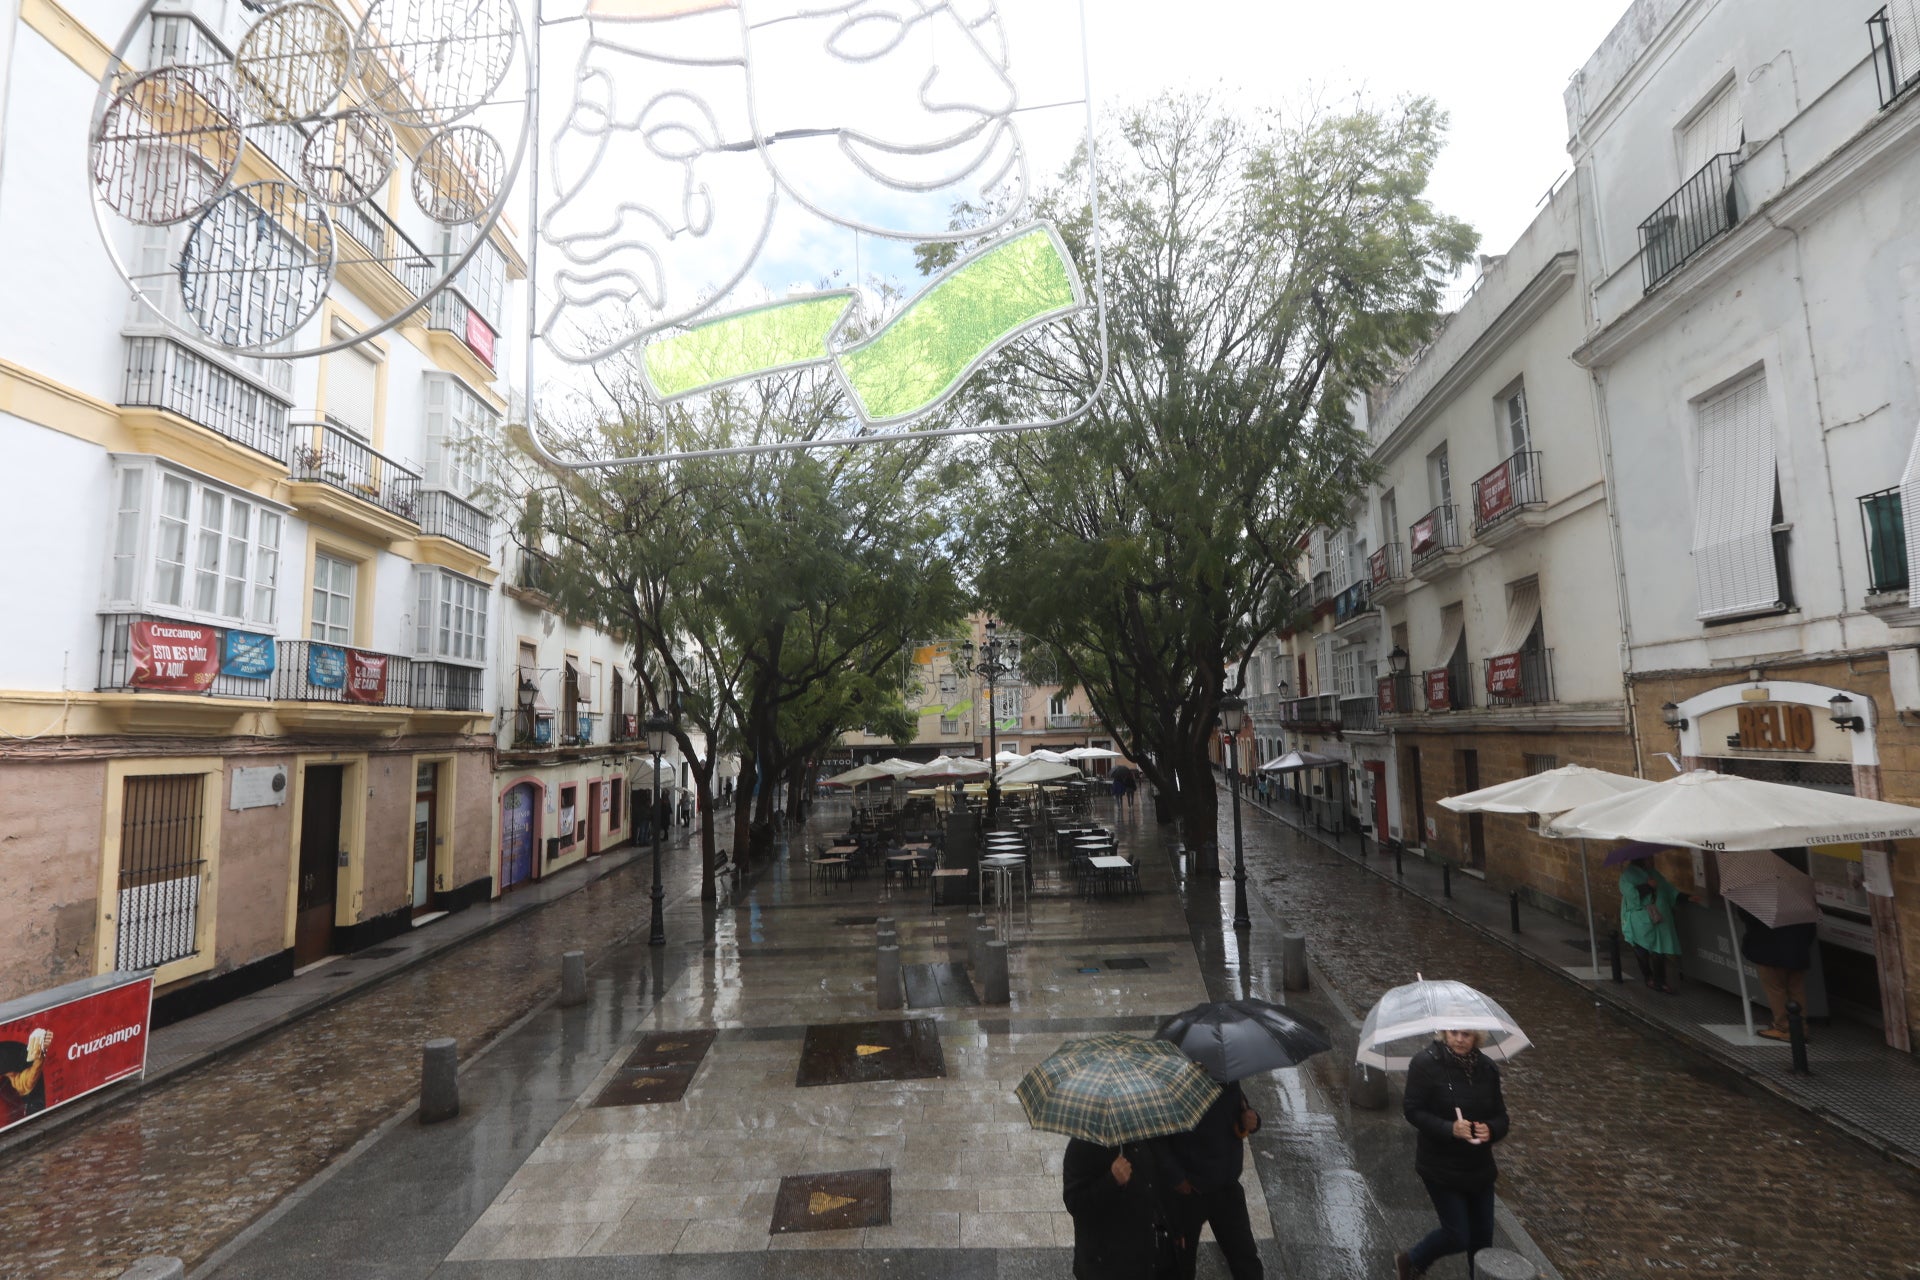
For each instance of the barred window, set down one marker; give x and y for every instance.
(158, 913)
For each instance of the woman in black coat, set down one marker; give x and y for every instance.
(1114, 1195)
(1453, 1099)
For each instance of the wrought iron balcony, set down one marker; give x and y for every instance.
(1884, 524)
(1894, 33)
(163, 373)
(1433, 535)
(1705, 208)
(387, 245)
(446, 686)
(310, 671)
(1508, 489)
(1360, 714)
(334, 456)
(1322, 710)
(123, 670)
(1068, 719)
(1396, 695)
(446, 515)
(1520, 679)
(451, 313)
(1387, 567)
(1353, 602)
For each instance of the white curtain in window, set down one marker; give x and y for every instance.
(1910, 506)
(1733, 566)
(1323, 665)
(1453, 630)
(1523, 612)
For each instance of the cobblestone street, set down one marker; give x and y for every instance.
(1628, 1155)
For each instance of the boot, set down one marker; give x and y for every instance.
(1403, 1268)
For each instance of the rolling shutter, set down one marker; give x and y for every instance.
(350, 391)
(1733, 566)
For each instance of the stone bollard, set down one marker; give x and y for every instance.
(1367, 1087)
(1293, 959)
(993, 975)
(439, 1081)
(962, 944)
(884, 925)
(886, 973)
(977, 953)
(155, 1267)
(573, 978)
(886, 938)
(1503, 1264)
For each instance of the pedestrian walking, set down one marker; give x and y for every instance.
(1649, 908)
(686, 807)
(1453, 1099)
(1203, 1167)
(1782, 954)
(1116, 1198)
(663, 815)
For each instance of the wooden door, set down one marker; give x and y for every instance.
(1476, 823)
(426, 836)
(593, 817)
(319, 863)
(517, 836)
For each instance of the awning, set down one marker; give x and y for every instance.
(1523, 614)
(1453, 624)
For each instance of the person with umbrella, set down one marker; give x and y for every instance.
(1782, 953)
(1454, 1101)
(1649, 916)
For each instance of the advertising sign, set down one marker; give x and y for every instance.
(1377, 562)
(1503, 675)
(479, 337)
(1493, 496)
(326, 666)
(68, 1047)
(1424, 536)
(1439, 690)
(1385, 695)
(366, 676)
(172, 655)
(244, 654)
(566, 822)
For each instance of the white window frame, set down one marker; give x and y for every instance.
(459, 427)
(1517, 393)
(450, 621)
(150, 543)
(1736, 488)
(483, 281)
(1389, 517)
(322, 623)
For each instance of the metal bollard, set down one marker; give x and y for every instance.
(1399, 867)
(1613, 954)
(1503, 1264)
(1366, 1087)
(1513, 908)
(993, 975)
(1446, 879)
(439, 1081)
(884, 925)
(1293, 961)
(155, 1267)
(573, 978)
(1797, 1036)
(977, 953)
(886, 974)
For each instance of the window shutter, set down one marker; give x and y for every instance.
(1715, 128)
(350, 390)
(1733, 564)
(1910, 509)
(1316, 551)
(438, 430)
(423, 612)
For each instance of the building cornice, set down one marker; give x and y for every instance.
(1536, 719)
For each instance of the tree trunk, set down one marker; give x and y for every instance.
(1199, 810)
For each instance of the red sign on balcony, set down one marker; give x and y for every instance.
(1378, 562)
(1425, 535)
(1384, 695)
(1439, 690)
(170, 655)
(1493, 496)
(1503, 675)
(366, 676)
(479, 337)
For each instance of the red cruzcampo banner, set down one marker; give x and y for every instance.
(1385, 695)
(1424, 536)
(81, 1037)
(1439, 690)
(1378, 562)
(479, 337)
(172, 655)
(1503, 674)
(1493, 496)
(366, 676)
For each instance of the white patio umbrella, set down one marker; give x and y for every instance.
(1406, 1018)
(950, 767)
(1294, 761)
(1547, 795)
(1721, 811)
(857, 775)
(1008, 756)
(897, 767)
(1038, 771)
(1044, 753)
(1091, 753)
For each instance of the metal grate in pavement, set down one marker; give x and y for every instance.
(833, 1201)
(863, 1052)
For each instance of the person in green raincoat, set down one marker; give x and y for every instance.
(1649, 905)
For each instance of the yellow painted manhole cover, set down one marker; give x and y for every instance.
(820, 1202)
(868, 1050)
(841, 1201)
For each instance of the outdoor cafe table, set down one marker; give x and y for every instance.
(1111, 869)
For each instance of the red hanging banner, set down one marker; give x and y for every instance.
(479, 337)
(1424, 536)
(1439, 690)
(1384, 686)
(1503, 674)
(1493, 496)
(172, 655)
(366, 677)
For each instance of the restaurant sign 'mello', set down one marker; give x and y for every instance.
(63, 1044)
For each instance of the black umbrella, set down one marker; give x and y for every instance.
(1234, 1039)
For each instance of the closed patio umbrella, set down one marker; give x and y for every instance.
(1091, 753)
(1294, 761)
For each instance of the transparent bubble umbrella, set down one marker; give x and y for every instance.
(1407, 1018)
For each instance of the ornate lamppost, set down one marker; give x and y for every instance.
(1233, 713)
(659, 738)
(994, 661)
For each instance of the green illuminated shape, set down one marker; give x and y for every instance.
(923, 353)
(781, 335)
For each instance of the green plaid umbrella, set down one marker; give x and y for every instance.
(1114, 1088)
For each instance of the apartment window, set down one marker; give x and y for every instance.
(460, 427)
(1515, 437)
(179, 544)
(1346, 670)
(1323, 665)
(352, 388)
(333, 582)
(1317, 552)
(1341, 556)
(617, 700)
(450, 617)
(949, 682)
(158, 917)
(1539, 764)
(1714, 128)
(1440, 478)
(594, 686)
(951, 726)
(1057, 706)
(483, 281)
(1739, 537)
(1006, 707)
(1389, 518)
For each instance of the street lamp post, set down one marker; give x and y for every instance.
(995, 660)
(1233, 713)
(659, 738)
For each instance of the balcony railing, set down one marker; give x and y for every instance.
(1894, 32)
(335, 456)
(1354, 601)
(1067, 719)
(1360, 714)
(1433, 535)
(169, 375)
(1322, 586)
(1508, 489)
(625, 727)
(581, 734)
(1703, 209)
(445, 515)
(154, 670)
(1395, 695)
(451, 312)
(1321, 709)
(1386, 566)
(310, 671)
(387, 245)
(1884, 524)
(1520, 679)
(443, 686)
(535, 573)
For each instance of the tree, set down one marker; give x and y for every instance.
(1258, 277)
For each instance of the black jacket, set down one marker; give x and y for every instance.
(1437, 1084)
(1787, 946)
(1212, 1153)
(1113, 1226)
